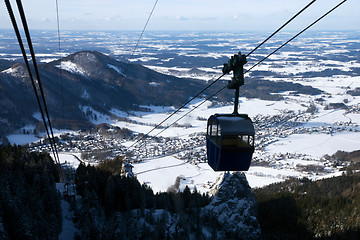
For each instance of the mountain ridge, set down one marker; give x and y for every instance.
(88, 78)
(93, 80)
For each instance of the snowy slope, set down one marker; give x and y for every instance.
(288, 138)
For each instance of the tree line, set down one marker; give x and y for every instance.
(29, 202)
(114, 205)
(305, 209)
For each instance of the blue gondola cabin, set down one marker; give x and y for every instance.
(230, 142)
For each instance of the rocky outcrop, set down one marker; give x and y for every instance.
(234, 207)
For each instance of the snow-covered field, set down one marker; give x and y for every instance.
(161, 173)
(286, 150)
(70, 159)
(317, 144)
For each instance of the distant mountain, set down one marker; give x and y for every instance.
(89, 81)
(105, 82)
(5, 64)
(17, 102)
(86, 79)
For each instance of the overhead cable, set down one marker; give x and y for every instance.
(142, 33)
(16, 29)
(59, 45)
(28, 38)
(281, 27)
(212, 83)
(312, 24)
(190, 111)
(248, 69)
(177, 110)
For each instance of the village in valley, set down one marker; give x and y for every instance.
(109, 141)
(304, 103)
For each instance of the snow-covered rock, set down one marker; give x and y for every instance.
(71, 67)
(235, 207)
(17, 70)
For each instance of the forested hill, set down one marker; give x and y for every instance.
(303, 209)
(113, 206)
(133, 211)
(86, 80)
(91, 81)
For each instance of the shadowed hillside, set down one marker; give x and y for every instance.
(91, 81)
(303, 209)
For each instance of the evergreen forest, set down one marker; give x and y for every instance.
(29, 202)
(112, 206)
(304, 209)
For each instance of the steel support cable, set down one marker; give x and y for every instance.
(17, 33)
(167, 127)
(253, 66)
(281, 27)
(147, 134)
(309, 26)
(142, 33)
(28, 38)
(291, 19)
(137, 43)
(16, 29)
(190, 111)
(61, 72)
(61, 81)
(177, 110)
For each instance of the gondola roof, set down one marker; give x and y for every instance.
(233, 124)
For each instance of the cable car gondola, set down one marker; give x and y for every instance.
(230, 137)
(230, 142)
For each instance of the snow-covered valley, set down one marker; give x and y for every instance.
(289, 142)
(293, 134)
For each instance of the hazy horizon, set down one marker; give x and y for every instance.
(186, 15)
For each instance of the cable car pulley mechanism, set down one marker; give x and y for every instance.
(230, 137)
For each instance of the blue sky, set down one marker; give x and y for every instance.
(192, 15)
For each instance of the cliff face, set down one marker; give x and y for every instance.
(235, 208)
